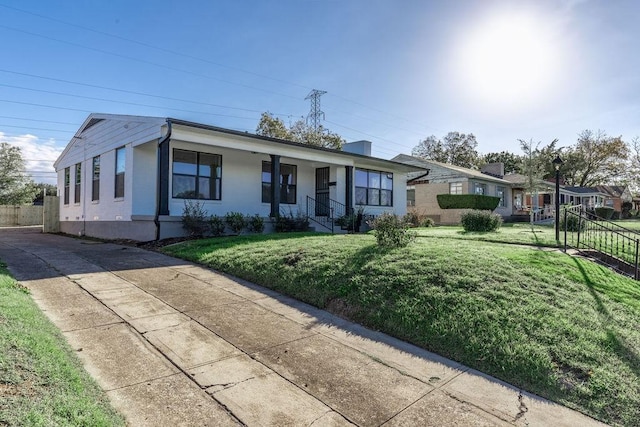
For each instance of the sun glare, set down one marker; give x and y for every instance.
(506, 61)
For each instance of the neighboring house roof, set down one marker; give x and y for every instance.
(457, 170)
(611, 190)
(516, 178)
(96, 118)
(582, 190)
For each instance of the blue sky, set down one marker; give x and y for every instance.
(395, 72)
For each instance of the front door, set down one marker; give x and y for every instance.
(322, 191)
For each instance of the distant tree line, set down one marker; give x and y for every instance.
(594, 159)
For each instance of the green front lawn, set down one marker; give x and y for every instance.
(561, 327)
(42, 382)
(519, 233)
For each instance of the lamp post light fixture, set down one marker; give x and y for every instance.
(557, 163)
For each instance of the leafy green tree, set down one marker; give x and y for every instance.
(16, 188)
(633, 175)
(50, 189)
(534, 165)
(595, 159)
(454, 148)
(273, 127)
(298, 132)
(513, 163)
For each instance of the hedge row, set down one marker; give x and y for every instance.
(468, 201)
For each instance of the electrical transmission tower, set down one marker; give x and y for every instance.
(315, 114)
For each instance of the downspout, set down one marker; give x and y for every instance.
(164, 140)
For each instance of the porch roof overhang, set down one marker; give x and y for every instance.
(581, 192)
(212, 135)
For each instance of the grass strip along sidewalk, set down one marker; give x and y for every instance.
(42, 382)
(561, 327)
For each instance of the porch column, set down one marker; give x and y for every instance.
(275, 185)
(348, 190)
(163, 174)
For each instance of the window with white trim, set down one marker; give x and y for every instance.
(455, 188)
(500, 192)
(479, 188)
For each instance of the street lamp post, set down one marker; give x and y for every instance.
(557, 163)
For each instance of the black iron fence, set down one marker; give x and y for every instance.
(609, 243)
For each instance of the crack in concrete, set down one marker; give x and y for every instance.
(229, 385)
(522, 407)
(321, 416)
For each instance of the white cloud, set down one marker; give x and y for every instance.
(39, 155)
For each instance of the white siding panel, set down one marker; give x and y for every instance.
(108, 135)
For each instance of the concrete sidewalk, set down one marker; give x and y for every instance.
(174, 343)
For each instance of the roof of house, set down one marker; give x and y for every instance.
(426, 164)
(581, 190)
(96, 118)
(611, 190)
(515, 178)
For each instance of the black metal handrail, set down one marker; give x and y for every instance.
(325, 214)
(610, 243)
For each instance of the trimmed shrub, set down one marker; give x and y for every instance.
(285, 223)
(255, 224)
(347, 222)
(235, 221)
(427, 222)
(414, 218)
(467, 201)
(481, 221)
(216, 225)
(194, 218)
(605, 212)
(391, 231)
(626, 209)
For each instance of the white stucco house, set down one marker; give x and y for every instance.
(129, 177)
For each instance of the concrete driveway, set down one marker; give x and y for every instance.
(173, 343)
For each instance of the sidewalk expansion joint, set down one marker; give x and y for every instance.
(147, 381)
(495, 412)
(407, 407)
(95, 326)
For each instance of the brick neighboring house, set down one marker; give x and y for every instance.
(441, 178)
(616, 196)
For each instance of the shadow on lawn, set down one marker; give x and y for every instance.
(629, 355)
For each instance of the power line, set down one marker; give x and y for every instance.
(182, 54)
(168, 98)
(92, 98)
(143, 61)
(37, 120)
(32, 128)
(158, 48)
